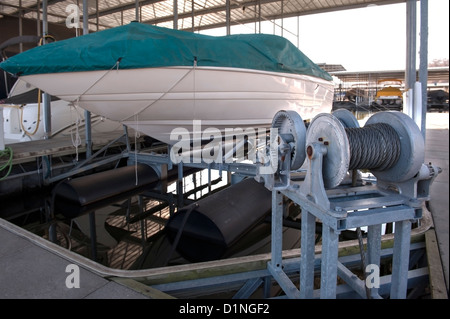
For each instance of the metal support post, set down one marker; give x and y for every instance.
(410, 71)
(275, 266)
(175, 14)
(307, 252)
(93, 232)
(46, 97)
(180, 200)
(209, 179)
(400, 262)
(38, 18)
(143, 222)
(192, 16)
(127, 140)
(87, 114)
(47, 116)
(20, 25)
(423, 65)
(266, 286)
(373, 252)
(87, 120)
(136, 9)
(52, 233)
(328, 270)
(228, 17)
(277, 231)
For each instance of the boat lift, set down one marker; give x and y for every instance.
(391, 146)
(331, 190)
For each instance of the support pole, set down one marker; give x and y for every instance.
(175, 14)
(307, 255)
(277, 231)
(282, 20)
(46, 96)
(410, 71)
(328, 271)
(143, 222)
(400, 262)
(259, 16)
(93, 232)
(137, 10)
(38, 18)
(97, 14)
(275, 266)
(87, 114)
(209, 179)
(87, 122)
(423, 66)
(228, 17)
(180, 200)
(20, 25)
(373, 252)
(192, 16)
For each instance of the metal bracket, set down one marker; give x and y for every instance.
(313, 187)
(417, 187)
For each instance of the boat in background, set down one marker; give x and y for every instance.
(390, 96)
(155, 79)
(437, 100)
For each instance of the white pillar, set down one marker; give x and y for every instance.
(410, 71)
(417, 115)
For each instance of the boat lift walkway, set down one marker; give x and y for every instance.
(30, 269)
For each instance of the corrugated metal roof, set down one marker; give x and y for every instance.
(192, 14)
(437, 75)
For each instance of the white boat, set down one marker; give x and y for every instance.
(156, 98)
(155, 101)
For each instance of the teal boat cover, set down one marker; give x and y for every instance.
(138, 45)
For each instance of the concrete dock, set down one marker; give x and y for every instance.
(31, 269)
(436, 152)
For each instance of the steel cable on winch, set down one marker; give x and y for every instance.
(374, 146)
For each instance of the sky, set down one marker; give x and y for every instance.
(366, 39)
(372, 38)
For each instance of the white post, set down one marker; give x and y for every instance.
(410, 71)
(417, 115)
(408, 102)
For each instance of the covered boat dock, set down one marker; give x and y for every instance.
(49, 278)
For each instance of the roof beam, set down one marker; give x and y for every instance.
(214, 10)
(30, 8)
(250, 3)
(124, 7)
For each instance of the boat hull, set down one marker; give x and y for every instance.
(157, 101)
